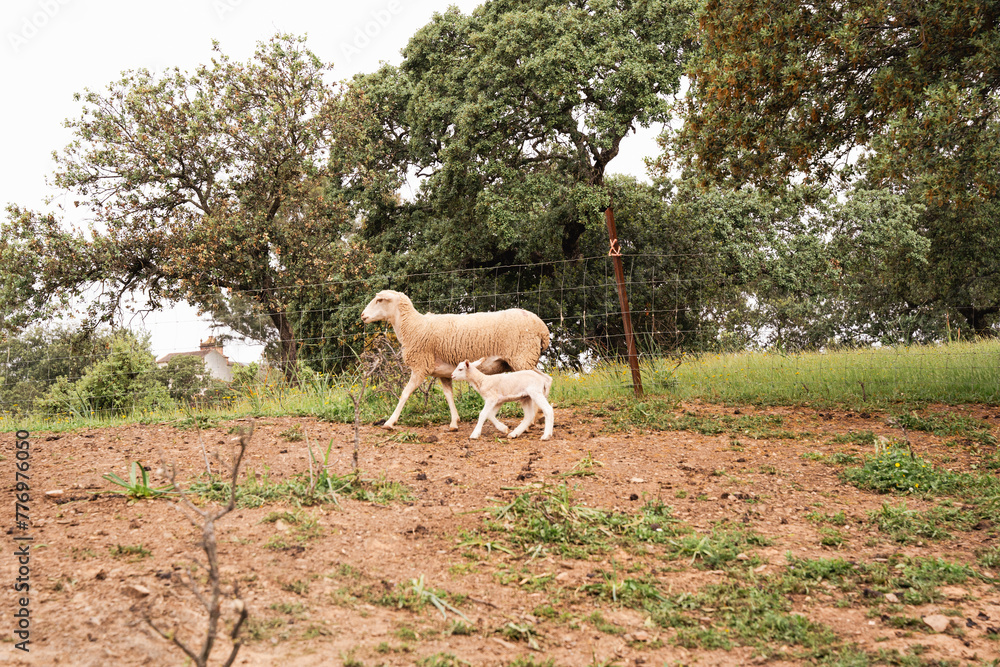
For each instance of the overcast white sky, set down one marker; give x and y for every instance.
(52, 49)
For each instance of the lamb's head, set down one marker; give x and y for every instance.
(461, 371)
(384, 306)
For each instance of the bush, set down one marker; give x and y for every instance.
(186, 379)
(125, 381)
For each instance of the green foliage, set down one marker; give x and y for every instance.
(949, 424)
(906, 526)
(200, 182)
(546, 517)
(896, 470)
(186, 379)
(323, 487)
(124, 382)
(137, 485)
(524, 104)
(779, 93)
(131, 552)
(916, 578)
(747, 615)
(512, 116)
(989, 558)
(32, 361)
(659, 415)
(442, 659)
(717, 549)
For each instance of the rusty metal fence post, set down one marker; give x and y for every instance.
(616, 258)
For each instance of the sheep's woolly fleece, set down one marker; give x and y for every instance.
(517, 336)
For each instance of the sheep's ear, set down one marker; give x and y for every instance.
(478, 362)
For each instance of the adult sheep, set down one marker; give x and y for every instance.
(433, 345)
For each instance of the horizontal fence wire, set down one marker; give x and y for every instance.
(693, 334)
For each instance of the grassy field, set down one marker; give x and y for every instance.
(905, 377)
(953, 374)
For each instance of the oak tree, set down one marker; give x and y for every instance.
(199, 184)
(886, 93)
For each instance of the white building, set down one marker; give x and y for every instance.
(218, 365)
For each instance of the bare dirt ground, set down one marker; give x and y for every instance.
(311, 597)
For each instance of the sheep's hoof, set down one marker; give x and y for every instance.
(512, 436)
(546, 437)
(473, 437)
(453, 427)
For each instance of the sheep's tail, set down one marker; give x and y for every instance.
(544, 335)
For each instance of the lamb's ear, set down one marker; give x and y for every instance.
(478, 362)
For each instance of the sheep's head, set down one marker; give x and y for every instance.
(384, 306)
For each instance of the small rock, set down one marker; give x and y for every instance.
(760, 568)
(953, 592)
(281, 525)
(742, 557)
(891, 597)
(937, 622)
(562, 576)
(54, 493)
(637, 480)
(641, 636)
(136, 590)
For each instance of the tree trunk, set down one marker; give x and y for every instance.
(979, 319)
(287, 350)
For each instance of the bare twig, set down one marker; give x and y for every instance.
(204, 450)
(312, 477)
(211, 599)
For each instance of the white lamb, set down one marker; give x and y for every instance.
(433, 345)
(531, 388)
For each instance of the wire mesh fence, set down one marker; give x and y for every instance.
(700, 334)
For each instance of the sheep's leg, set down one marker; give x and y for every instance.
(528, 406)
(416, 377)
(487, 412)
(539, 398)
(449, 396)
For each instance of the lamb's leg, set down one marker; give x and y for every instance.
(488, 410)
(539, 398)
(530, 412)
(416, 377)
(500, 426)
(449, 396)
(528, 406)
(492, 416)
(535, 407)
